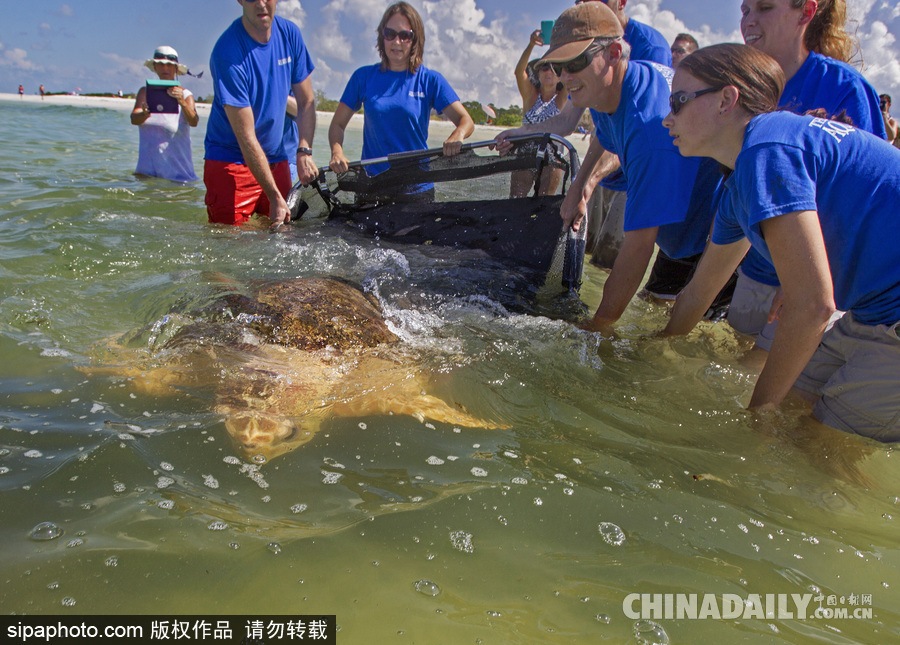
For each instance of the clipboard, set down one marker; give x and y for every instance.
(157, 98)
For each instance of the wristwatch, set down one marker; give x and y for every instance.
(304, 151)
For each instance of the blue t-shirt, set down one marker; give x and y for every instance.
(849, 177)
(397, 108)
(664, 188)
(823, 82)
(649, 45)
(259, 76)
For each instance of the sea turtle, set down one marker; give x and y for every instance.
(283, 359)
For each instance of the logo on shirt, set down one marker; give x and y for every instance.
(417, 95)
(834, 128)
(284, 61)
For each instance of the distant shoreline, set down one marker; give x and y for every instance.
(482, 132)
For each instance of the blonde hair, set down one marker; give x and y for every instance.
(826, 33)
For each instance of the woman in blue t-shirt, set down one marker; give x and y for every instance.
(808, 41)
(398, 95)
(817, 198)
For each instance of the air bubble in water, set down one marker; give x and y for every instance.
(166, 504)
(427, 588)
(611, 534)
(68, 601)
(462, 541)
(259, 459)
(45, 531)
(53, 585)
(112, 561)
(217, 525)
(298, 508)
(274, 547)
(74, 542)
(649, 633)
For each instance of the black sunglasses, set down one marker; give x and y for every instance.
(578, 63)
(405, 36)
(678, 99)
(171, 57)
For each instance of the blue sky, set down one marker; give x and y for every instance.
(101, 46)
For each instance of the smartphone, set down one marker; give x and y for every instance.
(158, 98)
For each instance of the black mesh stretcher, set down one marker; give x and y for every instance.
(467, 203)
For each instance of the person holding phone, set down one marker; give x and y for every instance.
(165, 137)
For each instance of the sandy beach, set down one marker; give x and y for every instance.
(482, 132)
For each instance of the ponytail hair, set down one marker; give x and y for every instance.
(758, 78)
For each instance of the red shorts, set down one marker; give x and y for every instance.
(233, 194)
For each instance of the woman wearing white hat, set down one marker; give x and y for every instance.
(165, 140)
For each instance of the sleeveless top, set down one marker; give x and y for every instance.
(165, 147)
(541, 111)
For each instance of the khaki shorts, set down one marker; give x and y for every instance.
(856, 370)
(750, 305)
(749, 311)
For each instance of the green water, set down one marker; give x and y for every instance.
(160, 516)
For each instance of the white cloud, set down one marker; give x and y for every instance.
(881, 58)
(17, 58)
(329, 40)
(66, 11)
(128, 67)
(292, 10)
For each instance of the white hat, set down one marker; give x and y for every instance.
(165, 54)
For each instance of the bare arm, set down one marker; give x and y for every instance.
(141, 111)
(562, 124)
(798, 252)
(306, 125)
(339, 121)
(598, 163)
(715, 268)
(465, 126)
(244, 127)
(527, 90)
(625, 277)
(188, 107)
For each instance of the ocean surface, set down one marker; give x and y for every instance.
(625, 465)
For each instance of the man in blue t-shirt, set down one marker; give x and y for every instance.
(605, 234)
(628, 100)
(255, 64)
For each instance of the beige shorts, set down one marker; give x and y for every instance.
(749, 311)
(750, 305)
(856, 370)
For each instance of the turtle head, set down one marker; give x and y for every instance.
(258, 433)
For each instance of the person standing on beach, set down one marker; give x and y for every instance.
(255, 64)
(165, 138)
(42, 92)
(21, 92)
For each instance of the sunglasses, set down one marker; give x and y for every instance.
(579, 62)
(161, 58)
(543, 67)
(404, 36)
(678, 99)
